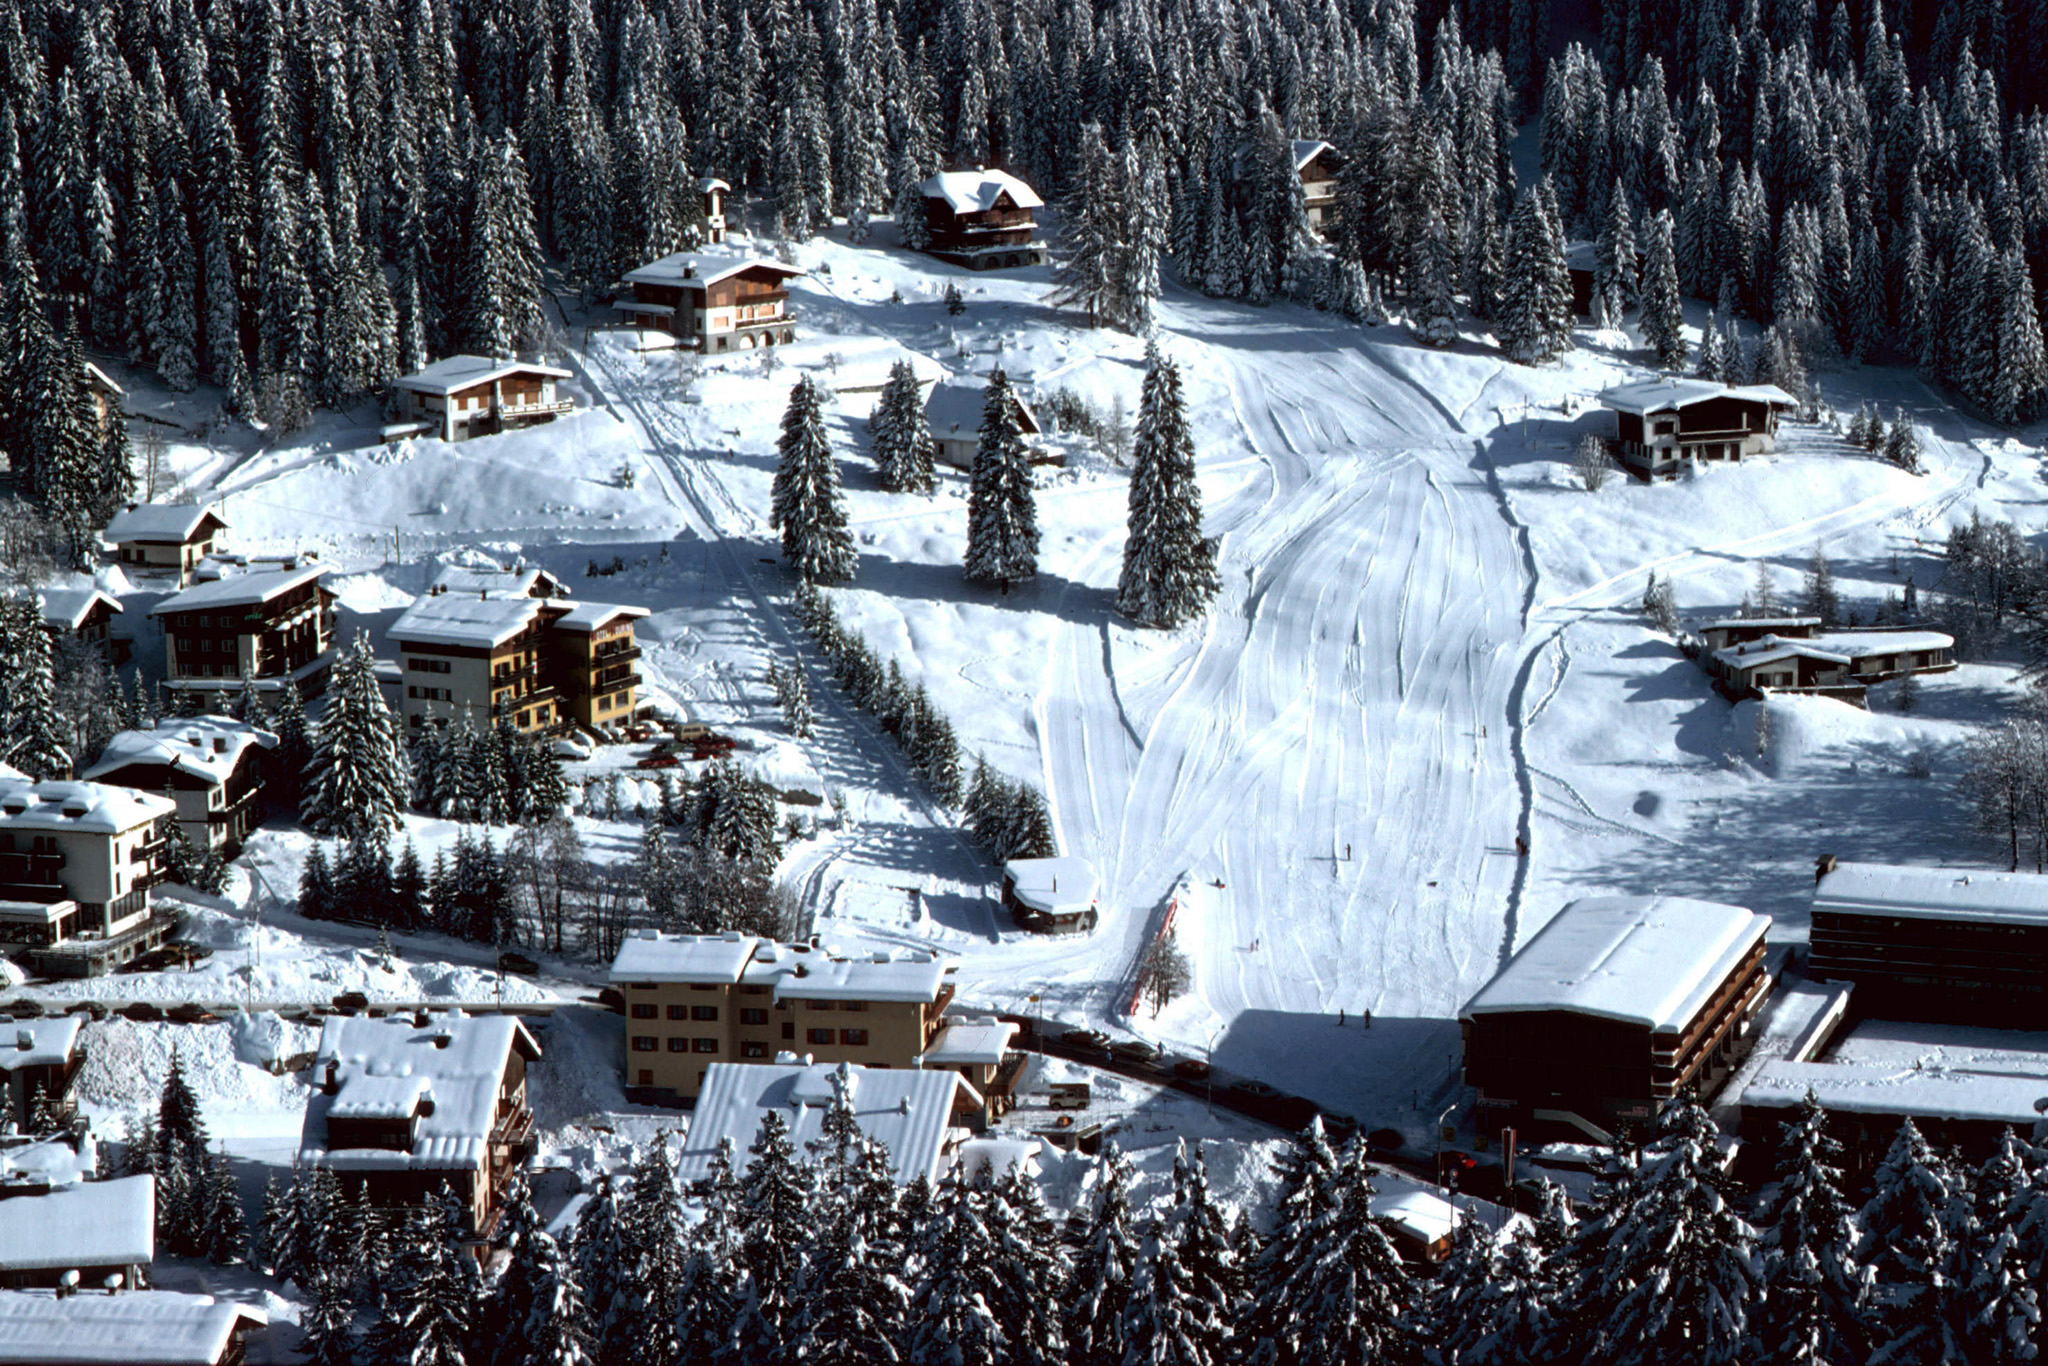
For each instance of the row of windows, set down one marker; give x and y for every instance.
(429, 694)
(646, 1010)
(426, 666)
(751, 1048)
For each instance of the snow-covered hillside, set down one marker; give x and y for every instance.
(1426, 651)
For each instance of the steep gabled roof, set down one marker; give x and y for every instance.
(1307, 150)
(953, 408)
(978, 191)
(204, 747)
(173, 523)
(67, 608)
(463, 372)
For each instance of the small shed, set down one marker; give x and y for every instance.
(1052, 895)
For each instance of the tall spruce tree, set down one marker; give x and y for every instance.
(1169, 573)
(356, 780)
(1811, 1290)
(902, 436)
(808, 506)
(1002, 513)
(1535, 318)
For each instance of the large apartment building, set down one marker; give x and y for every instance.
(77, 861)
(544, 663)
(695, 1000)
(259, 627)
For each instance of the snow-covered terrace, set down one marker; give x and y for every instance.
(908, 1111)
(1647, 960)
(162, 1327)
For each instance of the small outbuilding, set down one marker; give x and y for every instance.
(1052, 895)
(954, 410)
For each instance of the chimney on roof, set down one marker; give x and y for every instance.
(1822, 866)
(333, 1082)
(24, 1039)
(689, 270)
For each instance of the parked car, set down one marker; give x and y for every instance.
(612, 999)
(92, 1010)
(191, 1012)
(1133, 1050)
(143, 1012)
(352, 1000)
(517, 962)
(27, 1008)
(1086, 1038)
(1194, 1069)
(658, 761)
(1255, 1088)
(567, 747)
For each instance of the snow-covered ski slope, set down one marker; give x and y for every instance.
(1425, 650)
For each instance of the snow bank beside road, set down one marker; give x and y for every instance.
(126, 1063)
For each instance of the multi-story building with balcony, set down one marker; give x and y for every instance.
(465, 396)
(695, 1000)
(77, 860)
(1316, 163)
(211, 766)
(544, 663)
(249, 627)
(713, 303)
(984, 220)
(401, 1106)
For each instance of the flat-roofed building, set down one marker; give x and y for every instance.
(165, 538)
(211, 766)
(1962, 946)
(1615, 1007)
(695, 1000)
(401, 1106)
(248, 626)
(908, 1112)
(94, 1228)
(77, 860)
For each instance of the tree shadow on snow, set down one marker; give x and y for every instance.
(922, 581)
(1368, 1072)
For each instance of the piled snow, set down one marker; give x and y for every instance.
(126, 1063)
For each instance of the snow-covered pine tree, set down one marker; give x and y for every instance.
(430, 1293)
(1902, 443)
(654, 1266)
(1906, 1244)
(1210, 1258)
(1436, 311)
(1534, 321)
(1169, 573)
(713, 1282)
(1818, 597)
(553, 1331)
(599, 1261)
(501, 294)
(774, 1227)
(1712, 356)
(284, 775)
(1353, 1302)
(327, 1323)
(1661, 317)
(31, 731)
(1002, 512)
(808, 506)
(1094, 273)
(356, 780)
(1105, 1266)
(959, 1259)
(225, 1222)
(1614, 260)
(1308, 1199)
(1991, 1285)
(316, 886)
(902, 436)
(1811, 1290)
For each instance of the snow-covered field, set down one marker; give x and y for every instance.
(1426, 649)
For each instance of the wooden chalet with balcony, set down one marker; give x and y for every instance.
(984, 220)
(543, 663)
(249, 627)
(164, 538)
(466, 396)
(87, 616)
(1663, 423)
(1612, 1009)
(713, 303)
(77, 860)
(211, 766)
(401, 1106)
(1316, 163)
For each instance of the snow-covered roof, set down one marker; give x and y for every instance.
(91, 1223)
(46, 1042)
(969, 1041)
(681, 270)
(1772, 650)
(365, 1095)
(954, 407)
(1307, 150)
(204, 747)
(1426, 1217)
(1053, 886)
(649, 956)
(1767, 624)
(64, 1159)
(245, 589)
(98, 808)
(792, 970)
(707, 183)
(1921, 1092)
(1932, 893)
(1863, 644)
(161, 1327)
(67, 608)
(907, 1110)
(167, 523)
(1001, 1156)
(463, 372)
(519, 580)
(459, 1059)
(978, 191)
(450, 620)
(1667, 395)
(1647, 960)
(100, 379)
(590, 616)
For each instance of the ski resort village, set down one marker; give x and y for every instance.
(1023, 683)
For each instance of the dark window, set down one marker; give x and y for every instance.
(678, 1045)
(703, 986)
(753, 1015)
(645, 1043)
(646, 1077)
(709, 1013)
(853, 1005)
(855, 1037)
(754, 1049)
(703, 1045)
(819, 1036)
(644, 1010)
(679, 1012)
(788, 1030)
